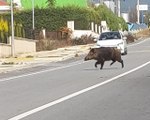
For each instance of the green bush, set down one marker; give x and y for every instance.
(4, 27)
(54, 18)
(114, 22)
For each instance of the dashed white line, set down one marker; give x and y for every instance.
(43, 71)
(134, 44)
(58, 68)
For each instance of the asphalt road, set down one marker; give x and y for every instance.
(75, 90)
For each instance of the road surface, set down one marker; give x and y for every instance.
(75, 90)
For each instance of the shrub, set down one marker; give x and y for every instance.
(114, 22)
(3, 30)
(54, 18)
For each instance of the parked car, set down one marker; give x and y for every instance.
(113, 39)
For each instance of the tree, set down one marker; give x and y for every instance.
(51, 3)
(133, 15)
(90, 3)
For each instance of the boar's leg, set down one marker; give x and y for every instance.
(102, 64)
(121, 61)
(113, 61)
(97, 63)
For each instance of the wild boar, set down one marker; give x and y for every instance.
(103, 54)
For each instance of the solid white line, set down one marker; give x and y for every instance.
(43, 71)
(142, 41)
(23, 115)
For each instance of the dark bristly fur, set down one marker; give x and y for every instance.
(104, 54)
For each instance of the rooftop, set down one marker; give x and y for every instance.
(3, 3)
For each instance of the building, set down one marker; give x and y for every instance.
(109, 3)
(4, 6)
(114, 5)
(27, 4)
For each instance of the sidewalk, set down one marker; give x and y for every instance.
(38, 58)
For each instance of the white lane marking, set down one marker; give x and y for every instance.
(58, 68)
(142, 41)
(23, 115)
(140, 51)
(43, 71)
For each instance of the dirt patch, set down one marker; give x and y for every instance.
(131, 38)
(48, 44)
(143, 33)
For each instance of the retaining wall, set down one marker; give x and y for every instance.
(20, 46)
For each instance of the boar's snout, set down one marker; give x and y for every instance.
(91, 55)
(86, 58)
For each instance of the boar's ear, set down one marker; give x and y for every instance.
(92, 50)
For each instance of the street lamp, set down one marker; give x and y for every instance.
(117, 7)
(33, 26)
(138, 12)
(12, 31)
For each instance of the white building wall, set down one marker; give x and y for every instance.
(110, 4)
(21, 46)
(125, 16)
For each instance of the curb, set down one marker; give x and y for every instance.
(34, 59)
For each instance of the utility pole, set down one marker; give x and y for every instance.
(101, 2)
(33, 26)
(138, 12)
(12, 31)
(117, 7)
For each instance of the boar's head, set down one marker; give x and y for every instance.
(91, 55)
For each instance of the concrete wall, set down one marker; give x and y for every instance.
(21, 46)
(94, 32)
(5, 50)
(79, 33)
